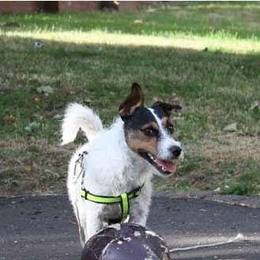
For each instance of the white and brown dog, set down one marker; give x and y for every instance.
(109, 177)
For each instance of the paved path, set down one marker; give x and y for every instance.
(44, 228)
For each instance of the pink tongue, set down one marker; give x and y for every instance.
(169, 166)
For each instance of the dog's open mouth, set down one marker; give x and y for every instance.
(163, 166)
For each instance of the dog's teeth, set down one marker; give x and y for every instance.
(164, 169)
(151, 157)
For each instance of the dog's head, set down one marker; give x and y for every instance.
(148, 131)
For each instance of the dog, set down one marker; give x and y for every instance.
(109, 177)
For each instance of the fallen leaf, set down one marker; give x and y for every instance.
(45, 90)
(9, 119)
(38, 44)
(230, 128)
(87, 100)
(28, 169)
(57, 117)
(255, 105)
(32, 126)
(138, 21)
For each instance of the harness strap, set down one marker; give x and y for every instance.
(124, 206)
(123, 199)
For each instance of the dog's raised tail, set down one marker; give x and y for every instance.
(78, 117)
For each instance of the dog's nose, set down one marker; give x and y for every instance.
(175, 151)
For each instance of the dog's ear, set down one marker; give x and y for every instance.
(166, 107)
(133, 101)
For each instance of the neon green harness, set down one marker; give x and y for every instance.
(123, 199)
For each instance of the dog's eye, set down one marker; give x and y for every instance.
(170, 129)
(150, 131)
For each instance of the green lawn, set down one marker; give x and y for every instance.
(204, 56)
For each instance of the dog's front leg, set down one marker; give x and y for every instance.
(139, 214)
(94, 223)
(141, 205)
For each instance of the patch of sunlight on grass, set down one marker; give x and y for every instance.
(222, 42)
(227, 5)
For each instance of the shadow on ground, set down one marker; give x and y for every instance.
(214, 88)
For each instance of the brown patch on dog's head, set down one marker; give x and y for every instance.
(167, 124)
(142, 131)
(133, 101)
(145, 138)
(165, 109)
(151, 125)
(165, 121)
(138, 141)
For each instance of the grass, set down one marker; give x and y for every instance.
(227, 44)
(204, 56)
(238, 20)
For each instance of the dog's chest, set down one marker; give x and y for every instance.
(113, 213)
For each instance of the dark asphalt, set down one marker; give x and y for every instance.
(44, 228)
